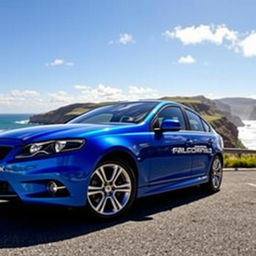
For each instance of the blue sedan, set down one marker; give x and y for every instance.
(111, 155)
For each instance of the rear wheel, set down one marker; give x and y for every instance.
(112, 189)
(215, 176)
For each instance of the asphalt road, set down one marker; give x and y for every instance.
(187, 222)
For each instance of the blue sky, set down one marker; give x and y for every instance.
(57, 52)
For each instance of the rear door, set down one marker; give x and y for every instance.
(202, 140)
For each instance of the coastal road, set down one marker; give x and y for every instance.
(186, 222)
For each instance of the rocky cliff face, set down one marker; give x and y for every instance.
(207, 108)
(226, 110)
(221, 121)
(245, 108)
(252, 116)
(228, 131)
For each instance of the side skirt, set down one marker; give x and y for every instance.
(161, 188)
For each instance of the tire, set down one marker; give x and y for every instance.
(112, 189)
(215, 176)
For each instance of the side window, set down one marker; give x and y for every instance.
(194, 121)
(207, 127)
(173, 113)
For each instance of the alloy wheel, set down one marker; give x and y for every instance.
(216, 173)
(110, 189)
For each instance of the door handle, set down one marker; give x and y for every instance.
(189, 142)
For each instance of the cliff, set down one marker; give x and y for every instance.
(245, 108)
(221, 121)
(231, 116)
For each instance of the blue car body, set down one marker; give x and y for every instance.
(162, 161)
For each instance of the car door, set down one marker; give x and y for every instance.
(165, 163)
(201, 143)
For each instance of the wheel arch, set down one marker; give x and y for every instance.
(124, 156)
(220, 155)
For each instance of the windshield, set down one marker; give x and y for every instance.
(133, 112)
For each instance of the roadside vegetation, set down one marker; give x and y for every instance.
(247, 161)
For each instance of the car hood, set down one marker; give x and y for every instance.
(48, 132)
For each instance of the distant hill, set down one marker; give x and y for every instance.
(211, 108)
(226, 109)
(64, 114)
(245, 108)
(221, 121)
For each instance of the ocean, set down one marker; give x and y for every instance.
(247, 134)
(14, 121)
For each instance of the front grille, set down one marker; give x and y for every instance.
(6, 190)
(4, 187)
(4, 150)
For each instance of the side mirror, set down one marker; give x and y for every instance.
(170, 125)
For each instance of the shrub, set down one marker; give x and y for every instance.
(243, 160)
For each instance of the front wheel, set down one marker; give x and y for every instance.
(112, 189)
(215, 176)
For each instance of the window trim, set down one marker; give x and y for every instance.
(168, 106)
(201, 120)
(210, 127)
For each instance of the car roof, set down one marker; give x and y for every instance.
(149, 101)
(160, 103)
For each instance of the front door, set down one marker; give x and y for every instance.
(167, 162)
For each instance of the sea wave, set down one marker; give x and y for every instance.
(22, 122)
(247, 134)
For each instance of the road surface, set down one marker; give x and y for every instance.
(186, 222)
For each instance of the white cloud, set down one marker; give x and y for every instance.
(24, 94)
(5, 99)
(59, 62)
(123, 39)
(18, 97)
(202, 33)
(19, 101)
(99, 93)
(239, 42)
(248, 45)
(81, 87)
(61, 97)
(28, 101)
(187, 60)
(138, 92)
(107, 93)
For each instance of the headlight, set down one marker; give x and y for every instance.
(50, 147)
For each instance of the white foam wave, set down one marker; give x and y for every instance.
(247, 134)
(22, 122)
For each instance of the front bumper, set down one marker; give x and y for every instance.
(29, 180)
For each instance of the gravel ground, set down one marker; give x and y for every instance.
(185, 222)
